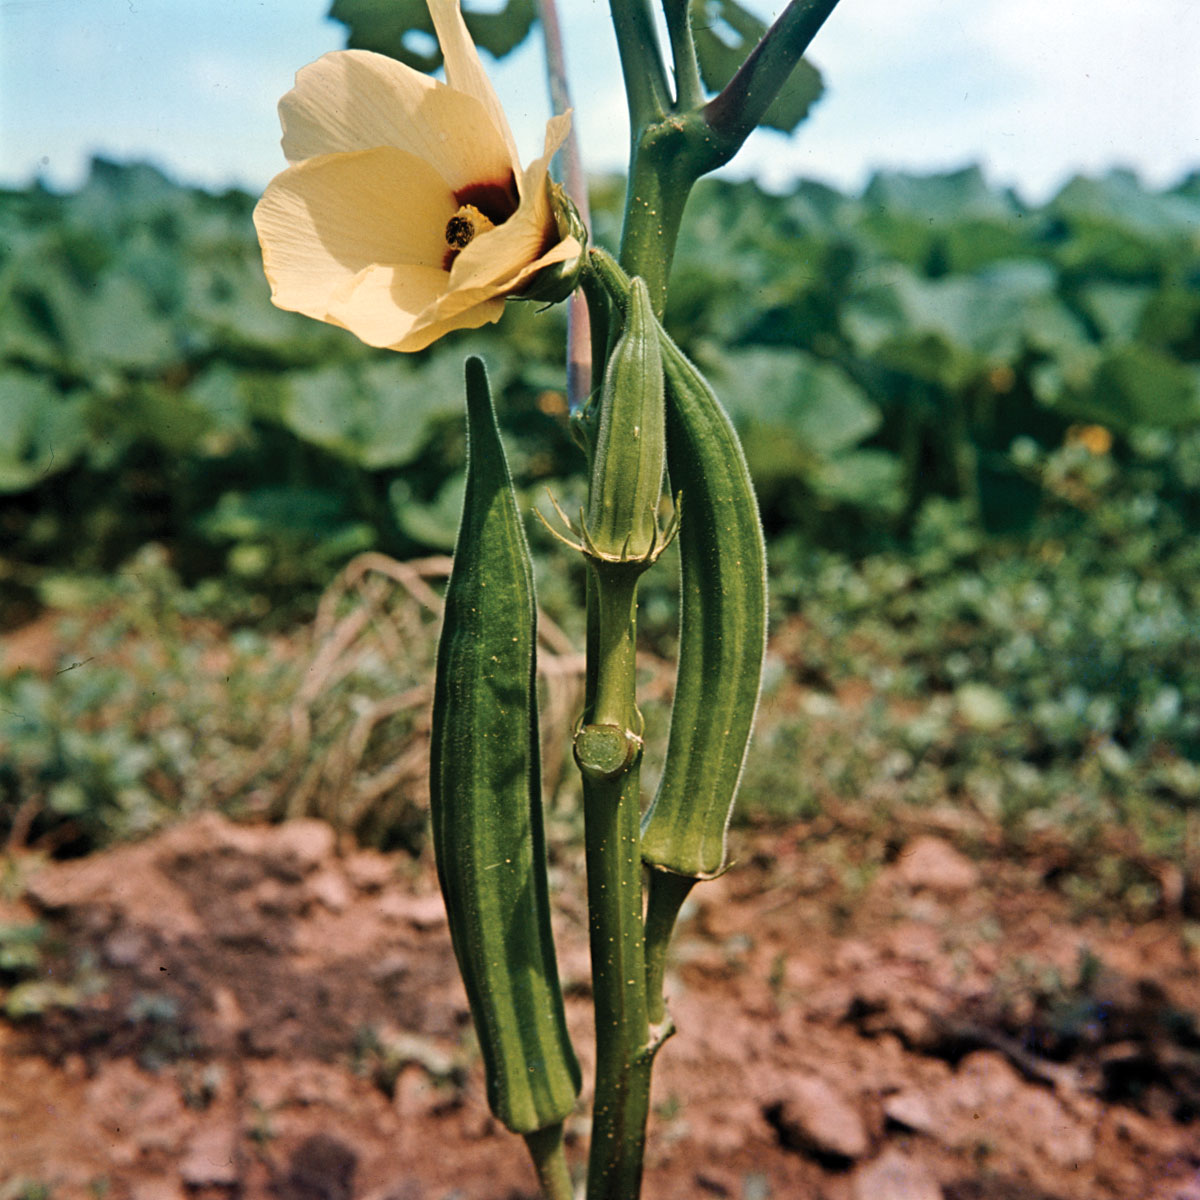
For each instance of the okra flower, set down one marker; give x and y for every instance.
(405, 212)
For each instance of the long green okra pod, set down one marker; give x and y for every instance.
(486, 800)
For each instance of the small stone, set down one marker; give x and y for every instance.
(716, 1181)
(211, 1158)
(815, 1116)
(895, 1176)
(984, 1078)
(157, 1189)
(912, 1110)
(302, 844)
(929, 862)
(422, 912)
(329, 888)
(125, 947)
(730, 1135)
(322, 1168)
(368, 870)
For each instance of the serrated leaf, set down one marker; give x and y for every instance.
(725, 33)
(403, 29)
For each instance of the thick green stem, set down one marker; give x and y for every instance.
(660, 178)
(733, 115)
(689, 92)
(665, 898)
(550, 1162)
(612, 817)
(616, 602)
(641, 61)
(623, 1058)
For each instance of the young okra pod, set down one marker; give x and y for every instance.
(722, 634)
(485, 801)
(628, 465)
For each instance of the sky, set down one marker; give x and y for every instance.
(1033, 90)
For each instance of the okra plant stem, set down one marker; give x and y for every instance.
(550, 1162)
(664, 899)
(612, 816)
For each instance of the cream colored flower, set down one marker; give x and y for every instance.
(405, 213)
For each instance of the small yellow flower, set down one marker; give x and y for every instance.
(405, 212)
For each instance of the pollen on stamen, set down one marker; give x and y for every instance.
(461, 230)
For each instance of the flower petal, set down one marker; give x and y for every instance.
(396, 307)
(356, 100)
(464, 71)
(323, 221)
(498, 256)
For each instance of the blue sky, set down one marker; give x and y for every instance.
(1032, 89)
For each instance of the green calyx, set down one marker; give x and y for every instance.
(555, 283)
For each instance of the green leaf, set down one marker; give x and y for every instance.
(41, 431)
(869, 479)
(941, 199)
(1116, 308)
(944, 329)
(1121, 200)
(119, 327)
(807, 401)
(403, 29)
(433, 524)
(725, 33)
(1134, 385)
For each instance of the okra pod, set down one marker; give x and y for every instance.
(485, 801)
(627, 471)
(722, 634)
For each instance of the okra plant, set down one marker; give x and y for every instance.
(406, 214)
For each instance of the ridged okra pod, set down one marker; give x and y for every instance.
(627, 471)
(723, 626)
(486, 803)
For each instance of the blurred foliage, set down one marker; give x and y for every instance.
(148, 710)
(1047, 684)
(974, 427)
(874, 351)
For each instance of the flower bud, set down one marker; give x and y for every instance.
(628, 466)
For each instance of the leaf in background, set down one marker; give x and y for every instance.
(379, 415)
(435, 524)
(122, 413)
(870, 479)
(944, 329)
(725, 33)
(810, 401)
(388, 27)
(41, 431)
(1134, 385)
(1116, 308)
(118, 326)
(1120, 199)
(943, 199)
